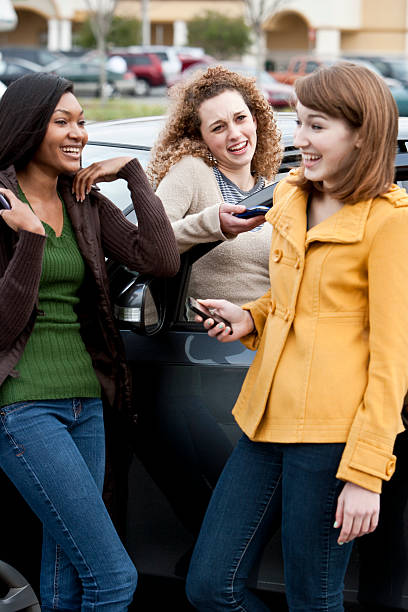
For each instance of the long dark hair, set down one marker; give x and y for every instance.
(25, 111)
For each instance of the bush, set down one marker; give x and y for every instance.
(123, 33)
(220, 36)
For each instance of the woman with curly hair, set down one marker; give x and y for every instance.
(220, 144)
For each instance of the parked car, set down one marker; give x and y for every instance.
(12, 68)
(168, 56)
(38, 55)
(390, 67)
(278, 94)
(173, 360)
(303, 65)
(84, 73)
(146, 67)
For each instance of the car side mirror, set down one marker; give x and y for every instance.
(138, 307)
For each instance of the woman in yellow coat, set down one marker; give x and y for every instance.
(320, 406)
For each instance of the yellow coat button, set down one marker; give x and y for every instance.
(390, 468)
(277, 255)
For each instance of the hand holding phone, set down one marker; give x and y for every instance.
(255, 211)
(4, 203)
(201, 310)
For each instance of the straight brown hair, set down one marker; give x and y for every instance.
(363, 100)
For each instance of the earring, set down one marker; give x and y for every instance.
(212, 159)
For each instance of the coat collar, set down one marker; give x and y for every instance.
(346, 226)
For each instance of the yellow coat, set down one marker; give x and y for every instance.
(332, 333)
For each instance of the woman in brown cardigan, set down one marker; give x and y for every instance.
(61, 354)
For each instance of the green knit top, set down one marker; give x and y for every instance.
(55, 363)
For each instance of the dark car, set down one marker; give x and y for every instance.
(38, 55)
(390, 67)
(84, 72)
(177, 368)
(180, 377)
(12, 68)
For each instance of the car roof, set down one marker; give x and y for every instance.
(118, 132)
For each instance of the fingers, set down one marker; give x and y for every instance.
(357, 512)
(356, 526)
(84, 180)
(220, 331)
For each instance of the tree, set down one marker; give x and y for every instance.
(257, 13)
(219, 35)
(101, 15)
(123, 33)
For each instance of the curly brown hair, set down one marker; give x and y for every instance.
(181, 135)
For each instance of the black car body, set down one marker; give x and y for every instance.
(182, 379)
(177, 368)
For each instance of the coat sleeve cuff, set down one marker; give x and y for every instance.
(368, 467)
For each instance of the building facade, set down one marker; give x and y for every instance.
(317, 26)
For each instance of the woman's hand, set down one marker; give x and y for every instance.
(231, 224)
(20, 216)
(103, 171)
(241, 320)
(357, 513)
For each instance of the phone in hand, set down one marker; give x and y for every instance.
(255, 211)
(201, 310)
(4, 203)
(258, 203)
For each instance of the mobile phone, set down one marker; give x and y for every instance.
(4, 203)
(258, 203)
(201, 310)
(255, 211)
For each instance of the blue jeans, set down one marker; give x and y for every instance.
(259, 482)
(54, 452)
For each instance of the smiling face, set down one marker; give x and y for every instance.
(327, 145)
(66, 136)
(229, 131)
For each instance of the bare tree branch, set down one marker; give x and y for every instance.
(259, 10)
(101, 14)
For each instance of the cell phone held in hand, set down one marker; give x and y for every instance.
(201, 310)
(255, 211)
(4, 203)
(258, 203)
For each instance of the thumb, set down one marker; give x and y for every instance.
(232, 208)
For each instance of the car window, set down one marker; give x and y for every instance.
(15, 69)
(44, 57)
(117, 191)
(311, 66)
(161, 55)
(141, 60)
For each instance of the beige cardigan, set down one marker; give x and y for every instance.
(236, 270)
